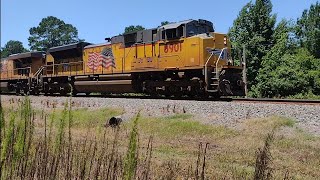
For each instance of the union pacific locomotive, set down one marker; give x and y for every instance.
(186, 58)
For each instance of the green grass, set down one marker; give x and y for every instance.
(271, 122)
(181, 125)
(90, 118)
(306, 95)
(295, 151)
(231, 153)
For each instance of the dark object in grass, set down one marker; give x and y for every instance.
(114, 122)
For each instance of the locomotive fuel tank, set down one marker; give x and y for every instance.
(113, 86)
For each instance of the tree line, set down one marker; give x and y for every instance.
(283, 58)
(52, 32)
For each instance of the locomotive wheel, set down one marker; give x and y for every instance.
(204, 95)
(63, 93)
(178, 94)
(154, 94)
(26, 92)
(74, 92)
(17, 92)
(215, 95)
(36, 92)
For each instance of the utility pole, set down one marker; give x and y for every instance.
(244, 71)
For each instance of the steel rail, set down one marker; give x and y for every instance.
(225, 99)
(306, 101)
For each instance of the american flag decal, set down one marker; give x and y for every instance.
(104, 59)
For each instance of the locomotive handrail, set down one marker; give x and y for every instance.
(206, 66)
(206, 70)
(37, 74)
(217, 72)
(21, 68)
(71, 64)
(79, 62)
(38, 71)
(11, 73)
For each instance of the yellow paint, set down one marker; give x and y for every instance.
(7, 71)
(184, 53)
(49, 58)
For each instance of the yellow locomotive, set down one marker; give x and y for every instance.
(186, 58)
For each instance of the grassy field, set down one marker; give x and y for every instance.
(74, 144)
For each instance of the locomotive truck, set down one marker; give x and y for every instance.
(186, 58)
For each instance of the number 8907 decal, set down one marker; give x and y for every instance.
(176, 47)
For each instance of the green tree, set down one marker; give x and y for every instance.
(52, 32)
(133, 28)
(12, 47)
(253, 28)
(164, 23)
(287, 70)
(291, 76)
(271, 61)
(308, 29)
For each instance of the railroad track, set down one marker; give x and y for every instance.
(135, 96)
(225, 99)
(281, 101)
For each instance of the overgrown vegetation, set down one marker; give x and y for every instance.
(283, 58)
(61, 144)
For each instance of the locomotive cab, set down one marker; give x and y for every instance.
(194, 44)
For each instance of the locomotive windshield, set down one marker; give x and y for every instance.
(199, 27)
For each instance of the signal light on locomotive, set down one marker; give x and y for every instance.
(225, 41)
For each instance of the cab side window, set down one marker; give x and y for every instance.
(174, 33)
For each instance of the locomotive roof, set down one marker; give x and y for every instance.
(36, 54)
(97, 45)
(68, 47)
(175, 25)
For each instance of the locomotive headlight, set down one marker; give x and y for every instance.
(225, 40)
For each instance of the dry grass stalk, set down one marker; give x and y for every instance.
(263, 169)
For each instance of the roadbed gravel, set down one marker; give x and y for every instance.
(229, 114)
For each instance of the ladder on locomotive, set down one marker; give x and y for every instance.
(35, 81)
(212, 76)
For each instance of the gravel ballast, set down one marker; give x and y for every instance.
(229, 114)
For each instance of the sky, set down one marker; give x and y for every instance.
(98, 19)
